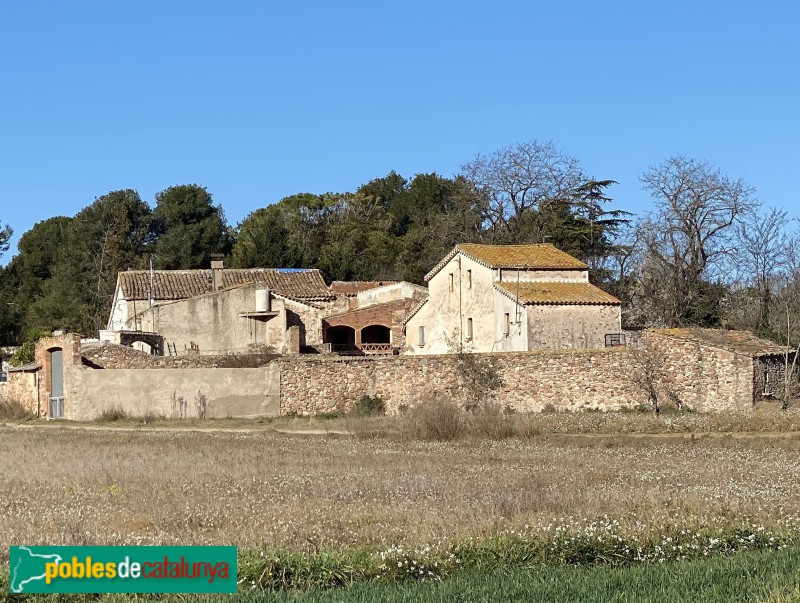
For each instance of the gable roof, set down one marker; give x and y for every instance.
(305, 285)
(741, 342)
(352, 288)
(537, 256)
(540, 293)
(414, 310)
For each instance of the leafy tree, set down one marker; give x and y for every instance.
(24, 279)
(262, 241)
(110, 235)
(188, 228)
(5, 237)
(358, 243)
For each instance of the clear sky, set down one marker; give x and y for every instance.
(259, 100)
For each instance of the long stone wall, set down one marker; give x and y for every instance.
(703, 377)
(533, 381)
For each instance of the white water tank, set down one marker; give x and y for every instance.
(262, 300)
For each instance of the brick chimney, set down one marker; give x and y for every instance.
(216, 271)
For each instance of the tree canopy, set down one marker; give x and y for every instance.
(704, 255)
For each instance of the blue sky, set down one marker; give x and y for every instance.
(259, 100)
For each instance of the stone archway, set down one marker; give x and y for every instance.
(154, 340)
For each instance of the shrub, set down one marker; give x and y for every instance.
(489, 421)
(109, 415)
(334, 414)
(434, 420)
(369, 405)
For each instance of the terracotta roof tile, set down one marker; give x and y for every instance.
(183, 284)
(742, 342)
(538, 293)
(542, 256)
(398, 306)
(538, 256)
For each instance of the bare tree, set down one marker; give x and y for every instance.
(789, 368)
(688, 235)
(647, 373)
(520, 179)
(761, 253)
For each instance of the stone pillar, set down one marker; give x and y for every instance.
(293, 340)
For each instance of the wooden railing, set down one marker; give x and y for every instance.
(346, 349)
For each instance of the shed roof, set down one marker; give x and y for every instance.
(742, 342)
(25, 368)
(183, 284)
(537, 256)
(352, 288)
(540, 293)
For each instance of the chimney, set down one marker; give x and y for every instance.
(216, 271)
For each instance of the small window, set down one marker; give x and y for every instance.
(469, 279)
(507, 324)
(451, 281)
(469, 329)
(421, 336)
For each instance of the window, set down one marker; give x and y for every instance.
(469, 329)
(469, 279)
(421, 342)
(451, 281)
(507, 324)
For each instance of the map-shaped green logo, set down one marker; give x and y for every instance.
(28, 567)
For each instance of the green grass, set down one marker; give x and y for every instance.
(754, 576)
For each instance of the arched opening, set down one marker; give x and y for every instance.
(143, 346)
(376, 334)
(151, 343)
(55, 357)
(341, 338)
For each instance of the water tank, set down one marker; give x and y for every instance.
(262, 300)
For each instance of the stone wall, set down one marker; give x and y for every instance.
(113, 356)
(533, 381)
(21, 388)
(703, 376)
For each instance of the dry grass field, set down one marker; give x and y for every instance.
(128, 485)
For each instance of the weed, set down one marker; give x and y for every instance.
(369, 405)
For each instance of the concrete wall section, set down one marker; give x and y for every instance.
(515, 324)
(571, 326)
(463, 289)
(541, 276)
(228, 392)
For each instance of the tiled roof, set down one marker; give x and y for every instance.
(538, 293)
(539, 256)
(183, 284)
(742, 342)
(350, 288)
(398, 306)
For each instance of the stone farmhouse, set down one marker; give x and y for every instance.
(511, 298)
(268, 342)
(239, 311)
